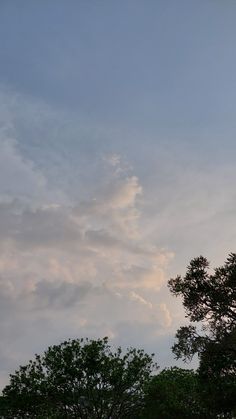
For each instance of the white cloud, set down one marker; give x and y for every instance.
(82, 259)
(136, 297)
(166, 315)
(123, 193)
(72, 265)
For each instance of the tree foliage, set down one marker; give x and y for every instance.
(174, 394)
(209, 300)
(86, 379)
(81, 379)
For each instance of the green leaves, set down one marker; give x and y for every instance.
(210, 301)
(172, 394)
(80, 379)
(86, 379)
(208, 297)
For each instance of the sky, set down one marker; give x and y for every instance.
(117, 166)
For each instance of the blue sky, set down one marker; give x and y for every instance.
(117, 166)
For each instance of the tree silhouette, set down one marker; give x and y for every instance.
(209, 300)
(81, 379)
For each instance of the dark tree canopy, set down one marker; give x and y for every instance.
(174, 394)
(81, 379)
(209, 299)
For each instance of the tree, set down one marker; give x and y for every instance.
(209, 300)
(172, 394)
(81, 379)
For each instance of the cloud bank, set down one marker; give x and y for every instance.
(74, 267)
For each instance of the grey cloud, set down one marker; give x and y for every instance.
(102, 238)
(18, 176)
(71, 264)
(47, 227)
(7, 300)
(29, 228)
(59, 295)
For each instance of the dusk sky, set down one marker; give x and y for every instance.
(117, 166)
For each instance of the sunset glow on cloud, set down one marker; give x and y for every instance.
(117, 166)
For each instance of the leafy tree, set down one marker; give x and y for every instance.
(174, 394)
(81, 379)
(210, 301)
(3, 407)
(217, 373)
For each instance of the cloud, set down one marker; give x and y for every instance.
(136, 297)
(57, 294)
(166, 315)
(18, 176)
(123, 194)
(144, 271)
(73, 260)
(101, 235)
